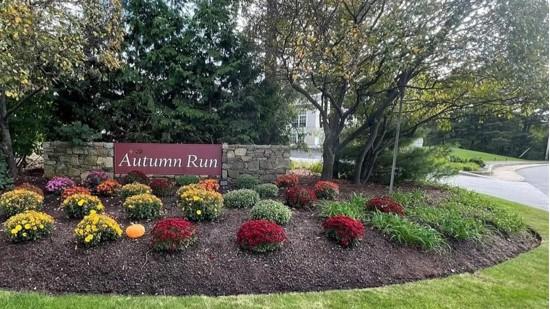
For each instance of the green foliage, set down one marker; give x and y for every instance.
(189, 76)
(271, 210)
(482, 208)
(242, 198)
(187, 180)
(354, 208)
(413, 164)
(407, 232)
(267, 190)
(451, 222)
(76, 133)
(247, 182)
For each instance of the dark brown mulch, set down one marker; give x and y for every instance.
(216, 266)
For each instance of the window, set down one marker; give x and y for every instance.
(302, 118)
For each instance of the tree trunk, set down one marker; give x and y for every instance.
(361, 157)
(329, 154)
(7, 146)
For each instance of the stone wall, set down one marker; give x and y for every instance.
(64, 159)
(263, 161)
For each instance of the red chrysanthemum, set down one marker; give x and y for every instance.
(345, 230)
(172, 234)
(326, 189)
(260, 236)
(287, 181)
(300, 197)
(161, 186)
(385, 204)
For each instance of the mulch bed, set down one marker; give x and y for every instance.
(216, 266)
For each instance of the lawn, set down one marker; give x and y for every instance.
(518, 283)
(472, 154)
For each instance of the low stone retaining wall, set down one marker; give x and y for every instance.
(64, 159)
(262, 161)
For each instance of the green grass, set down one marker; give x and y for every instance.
(472, 154)
(521, 282)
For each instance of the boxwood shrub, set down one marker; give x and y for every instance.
(247, 182)
(267, 190)
(271, 210)
(242, 198)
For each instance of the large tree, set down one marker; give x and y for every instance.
(41, 41)
(359, 56)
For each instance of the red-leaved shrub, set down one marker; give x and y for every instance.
(385, 204)
(29, 187)
(300, 197)
(287, 181)
(161, 186)
(172, 234)
(260, 236)
(136, 176)
(345, 230)
(326, 190)
(74, 190)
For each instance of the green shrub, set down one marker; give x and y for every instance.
(410, 199)
(187, 180)
(247, 182)
(354, 208)
(242, 198)
(403, 231)
(267, 190)
(142, 206)
(134, 188)
(271, 210)
(76, 133)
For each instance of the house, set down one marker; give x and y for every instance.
(306, 126)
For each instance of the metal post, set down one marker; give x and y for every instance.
(396, 144)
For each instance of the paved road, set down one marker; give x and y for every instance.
(537, 176)
(525, 192)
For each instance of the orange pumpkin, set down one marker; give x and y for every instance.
(135, 231)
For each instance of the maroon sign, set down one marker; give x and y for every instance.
(168, 159)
